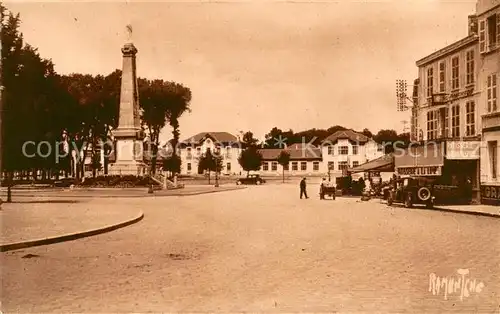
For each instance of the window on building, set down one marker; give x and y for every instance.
(380, 148)
(482, 36)
(295, 166)
(491, 92)
(493, 152)
(198, 151)
(188, 166)
(470, 119)
(343, 165)
(316, 166)
(455, 121)
(303, 165)
(492, 31)
(330, 150)
(430, 81)
(354, 149)
(331, 165)
(355, 163)
(228, 152)
(432, 128)
(470, 67)
(455, 70)
(442, 77)
(274, 166)
(265, 166)
(343, 150)
(228, 167)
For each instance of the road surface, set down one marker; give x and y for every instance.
(264, 250)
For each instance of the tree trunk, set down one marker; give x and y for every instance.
(208, 176)
(283, 174)
(9, 187)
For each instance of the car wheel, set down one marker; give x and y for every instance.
(258, 182)
(424, 194)
(408, 201)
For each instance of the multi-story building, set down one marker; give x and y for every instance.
(304, 160)
(446, 115)
(488, 17)
(347, 149)
(224, 144)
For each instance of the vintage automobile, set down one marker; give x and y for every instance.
(410, 191)
(327, 190)
(251, 179)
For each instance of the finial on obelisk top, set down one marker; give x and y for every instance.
(129, 33)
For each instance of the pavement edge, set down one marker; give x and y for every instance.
(467, 212)
(69, 237)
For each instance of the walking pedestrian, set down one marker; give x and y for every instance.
(303, 191)
(321, 187)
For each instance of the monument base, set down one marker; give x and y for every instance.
(124, 168)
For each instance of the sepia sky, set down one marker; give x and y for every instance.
(256, 65)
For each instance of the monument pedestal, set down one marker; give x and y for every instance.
(123, 168)
(129, 152)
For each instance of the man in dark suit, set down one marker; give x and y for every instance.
(303, 188)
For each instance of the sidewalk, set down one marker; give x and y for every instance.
(43, 222)
(90, 193)
(481, 210)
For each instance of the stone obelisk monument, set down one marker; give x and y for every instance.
(128, 135)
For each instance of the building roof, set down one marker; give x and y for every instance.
(220, 137)
(296, 151)
(347, 134)
(447, 50)
(383, 164)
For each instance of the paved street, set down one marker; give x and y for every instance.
(261, 249)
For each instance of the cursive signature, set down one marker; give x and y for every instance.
(452, 285)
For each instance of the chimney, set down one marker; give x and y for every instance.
(472, 24)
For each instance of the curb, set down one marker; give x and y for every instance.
(141, 195)
(458, 211)
(69, 237)
(205, 192)
(467, 212)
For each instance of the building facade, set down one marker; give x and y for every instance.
(304, 160)
(347, 149)
(455, 86)
(224, 144)
(488, 17)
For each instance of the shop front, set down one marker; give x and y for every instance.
(490, 194)
(452, 165)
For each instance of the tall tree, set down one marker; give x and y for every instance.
(386, 138)
(284, 161)
(249, 140)
(179, 102)
(154, 103)
(210, 162)
(250, 159)
(367, 133)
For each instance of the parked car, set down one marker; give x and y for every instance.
(412, 190)
(251, 179)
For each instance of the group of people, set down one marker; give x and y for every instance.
(303, 186)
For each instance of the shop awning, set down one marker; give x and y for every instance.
(381, 164)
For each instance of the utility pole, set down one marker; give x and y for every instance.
(1, 117)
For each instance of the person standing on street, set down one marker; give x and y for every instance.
(303, 188)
